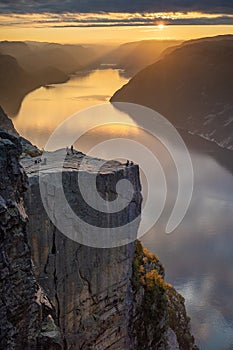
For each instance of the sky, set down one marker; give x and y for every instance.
(64, 20)
(120, 12)
(133, 6)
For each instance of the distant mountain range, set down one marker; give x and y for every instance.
(16, 82)
(38, 55)
(134, 56)
(192, 86)
(27, 66)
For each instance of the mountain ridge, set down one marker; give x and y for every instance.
(190, 86)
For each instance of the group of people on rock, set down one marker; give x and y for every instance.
(38, 161)
(128, 163)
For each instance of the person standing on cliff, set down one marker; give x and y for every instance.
(72, 149)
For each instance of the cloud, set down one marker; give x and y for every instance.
(59, 20)
(132, 6)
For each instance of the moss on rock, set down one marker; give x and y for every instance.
(158, 306)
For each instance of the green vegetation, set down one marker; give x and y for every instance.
(143, 264)
(149, 286)
(179, 322)
(160, 306)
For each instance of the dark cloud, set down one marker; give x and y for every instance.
(194, 21)
(58, 6)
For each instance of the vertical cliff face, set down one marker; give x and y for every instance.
(6, 123)
(104, 298)
(90, 287)
(158, 318)
(26, 320)
(74, 296)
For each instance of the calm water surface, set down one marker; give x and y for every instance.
(198, 255)
(44, 109)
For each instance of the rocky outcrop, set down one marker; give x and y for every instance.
(6, 123)
(89, 287)
(72, 296)
(190, 86)
(28, 150)
(158, 318)
(105, 298)
(26, 313)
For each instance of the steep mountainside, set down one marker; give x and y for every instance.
(16, 82)
(38, 56)
(6, 123)
(27, 316)
(25, 67)
(132, 57)
(192, 87)
(105, 298)
(74, 297)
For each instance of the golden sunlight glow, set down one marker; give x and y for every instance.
(113, 35)
(121, 27)
(160, 25)
(61, 20)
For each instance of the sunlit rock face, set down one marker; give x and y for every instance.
(191, 87)
(26, 320)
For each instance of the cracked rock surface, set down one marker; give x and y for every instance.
(26, 320)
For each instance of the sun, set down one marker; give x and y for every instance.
(160, 25)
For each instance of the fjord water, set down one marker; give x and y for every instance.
(198, 255)
(44, 109)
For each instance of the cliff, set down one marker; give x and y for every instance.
(7, 125)
(158, 318)
(105, 298)
(89, 287)
(190, 86)
(26, 313)
(73, 296)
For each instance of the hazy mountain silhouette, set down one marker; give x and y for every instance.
(134, 56)
(191, 86)
(27, 66)
(16, 82)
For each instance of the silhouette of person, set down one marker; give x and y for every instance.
(72, 149)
